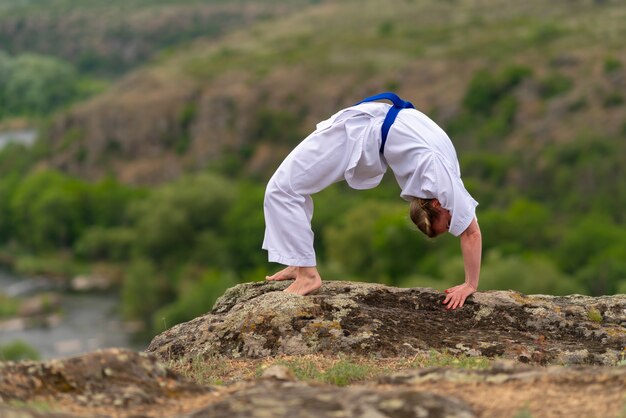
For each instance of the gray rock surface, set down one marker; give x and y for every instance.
(279, 399)
(511, 389)
(122, 383)
(504, 372)
(258, 319)
(126, 384)
(112, 377)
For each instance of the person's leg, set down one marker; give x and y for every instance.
(288, 235)
(316, 163)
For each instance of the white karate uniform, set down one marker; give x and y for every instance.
(346, 147)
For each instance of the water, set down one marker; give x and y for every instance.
(22, 136)
(87, 322)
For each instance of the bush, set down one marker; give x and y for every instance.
(141, 291)
(194, 298)
(244, 226)
(524, 226)
(51, 265)
(531, 274)
(113, 244)
(545, 32)
(433, 283)
(276, 126)
(386, 28)
(605, 271)
(33, 84)
(582, 176)
(108, 201)
(489, 167)
(612, 64)
(17, 351)
(585, 240)
(173, 217)
(501, 122)
(375, 240)
(554, 85)
(49, 210)
(8, 306)
(8, 184)
(486, 90)
(16, 159)
(613, 100)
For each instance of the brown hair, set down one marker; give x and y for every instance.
(423, 214)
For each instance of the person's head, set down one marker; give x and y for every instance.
(429, 216)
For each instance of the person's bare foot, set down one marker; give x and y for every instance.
(307, 281)
(285, 274)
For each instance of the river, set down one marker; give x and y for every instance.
(87, 322)
(21, 136)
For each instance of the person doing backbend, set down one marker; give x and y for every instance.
(357, 144)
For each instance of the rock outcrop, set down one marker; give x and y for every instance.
(508, 389)
(258, 319)
(279, 399)
(121, 383)
(109, 378)
(126, 384)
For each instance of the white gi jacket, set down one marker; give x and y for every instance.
(346, 147)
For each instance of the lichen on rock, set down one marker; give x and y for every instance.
(112, 377)
(254, 320)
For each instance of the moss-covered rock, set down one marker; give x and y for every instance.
(258, 319)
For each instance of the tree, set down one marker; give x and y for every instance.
(140, 290)
(35, 84)
(172, 218)
(375, 240)
(524, 226)
(529, 274)
(195, 298)
(48, 210)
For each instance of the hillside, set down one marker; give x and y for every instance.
(244, 101)
(109, 38)
(90, 44)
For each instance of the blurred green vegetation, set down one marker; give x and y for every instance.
(8, 306)
(182, 244)
(109, 38)
(18, 350)
(35, 85)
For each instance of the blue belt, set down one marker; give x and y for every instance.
(398, 105)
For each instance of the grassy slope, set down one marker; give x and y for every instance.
(302, 68)
(109, 37)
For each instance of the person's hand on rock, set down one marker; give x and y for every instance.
(455, 296)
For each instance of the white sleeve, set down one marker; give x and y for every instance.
(445, 184)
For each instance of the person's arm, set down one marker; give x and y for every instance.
(471, 248)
